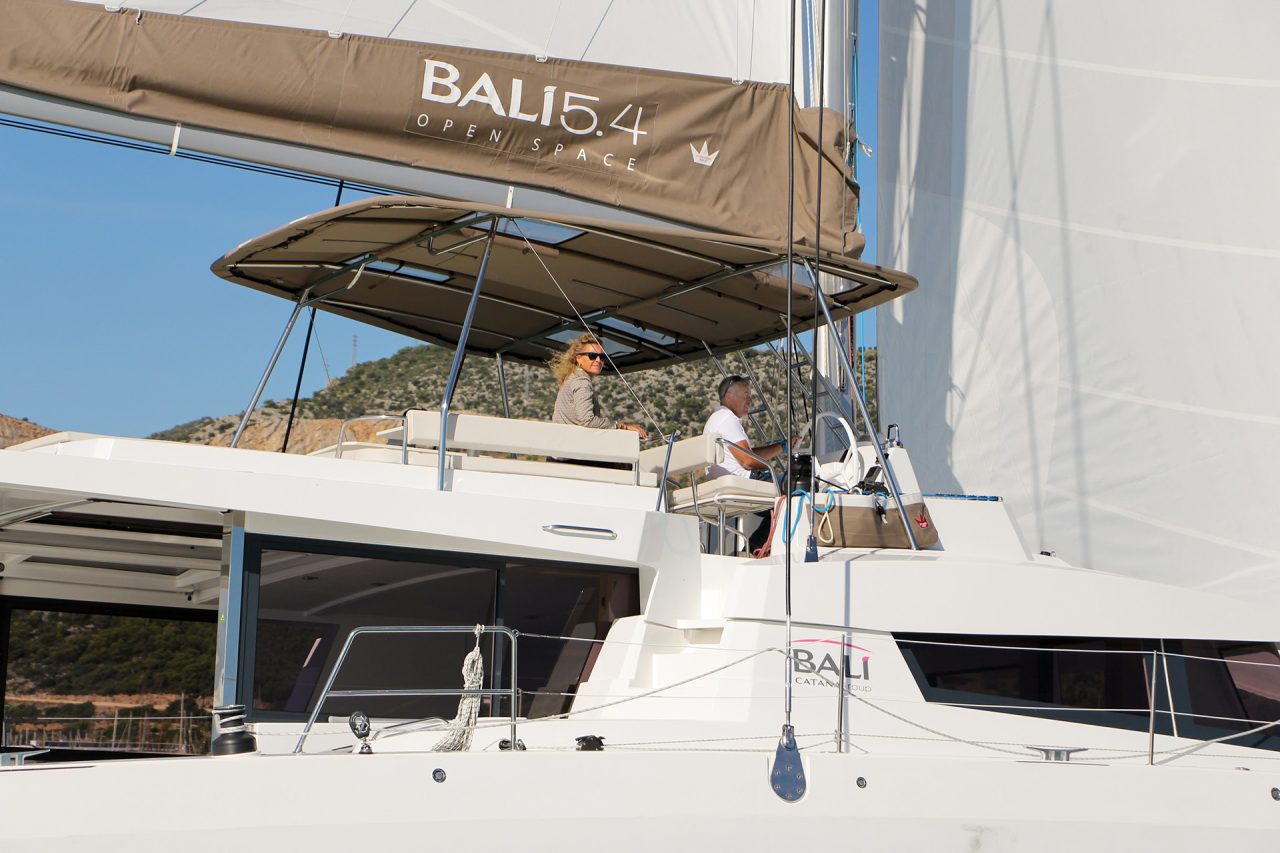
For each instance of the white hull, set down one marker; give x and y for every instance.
(687, 693)
(631, 802)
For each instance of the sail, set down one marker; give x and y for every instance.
(708, 151)
(1087, 191)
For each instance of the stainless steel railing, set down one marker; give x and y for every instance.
(512, 692)
(404, 443)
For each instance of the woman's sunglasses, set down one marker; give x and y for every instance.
(594, 356)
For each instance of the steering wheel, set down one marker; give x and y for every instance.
(847, 472)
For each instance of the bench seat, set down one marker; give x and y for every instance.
(726, 496)
(735, 495)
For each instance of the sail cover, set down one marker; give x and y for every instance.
(696, 149)
(1089, 189)
(653, 295)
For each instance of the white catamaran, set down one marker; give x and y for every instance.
(918, 679)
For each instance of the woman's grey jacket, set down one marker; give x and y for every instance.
(577, 404)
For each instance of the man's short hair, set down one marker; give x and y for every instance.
(727, 383)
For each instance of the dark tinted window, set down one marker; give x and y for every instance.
(308, 602)
(1087, 680)
(1226, 687)
(1217, 687)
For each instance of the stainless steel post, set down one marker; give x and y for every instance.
(460, 353)
(1168, 690)
(666, 466)
(875, 438)
(1151, 724)
(515, 685)
(271, 366)
(502, 384)
(844, 659)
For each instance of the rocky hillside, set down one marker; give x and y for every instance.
(15, 431)
(680, 396)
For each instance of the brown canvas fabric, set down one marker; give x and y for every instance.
(855, 523)
(689, 149)
(657, 296)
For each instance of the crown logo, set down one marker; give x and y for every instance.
(701, 157)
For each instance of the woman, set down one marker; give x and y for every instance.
(576, 401)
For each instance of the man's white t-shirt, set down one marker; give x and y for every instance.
(729, 426)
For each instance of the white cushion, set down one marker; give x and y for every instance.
(687, 454)
(735, 495)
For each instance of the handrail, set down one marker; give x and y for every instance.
(666, 466)
(511, 692)
(404, 444)
(773, 476)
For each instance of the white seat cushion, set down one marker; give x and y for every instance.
(735, 495)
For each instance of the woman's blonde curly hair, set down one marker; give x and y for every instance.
(564, 363)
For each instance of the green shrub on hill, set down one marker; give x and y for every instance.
(75, 653)
(678, 396)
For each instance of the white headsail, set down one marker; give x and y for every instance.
(1088, 189)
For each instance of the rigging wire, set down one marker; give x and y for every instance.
(653, 421)
(791, 273)
(297, 387)
(811, 544)
(306, 347)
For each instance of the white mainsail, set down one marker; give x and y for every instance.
(738, 39)
(1088, 190)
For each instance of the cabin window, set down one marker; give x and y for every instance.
(1216, 687)
(1225, 687)
(1092, 680)
(308, 597)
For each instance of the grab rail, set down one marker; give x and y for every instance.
(511, 692)
(404, 445)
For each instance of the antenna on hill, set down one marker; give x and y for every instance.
(355, 340)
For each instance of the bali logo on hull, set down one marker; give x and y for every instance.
(821, 666)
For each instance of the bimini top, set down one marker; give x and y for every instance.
(653, 295)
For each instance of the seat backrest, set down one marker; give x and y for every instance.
(529, 438)
(688, 454)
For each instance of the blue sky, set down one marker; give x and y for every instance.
(110, 320)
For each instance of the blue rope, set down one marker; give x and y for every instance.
(830, 492)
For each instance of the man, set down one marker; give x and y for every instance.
(734, 393)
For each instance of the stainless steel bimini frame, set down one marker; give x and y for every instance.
(883, 458)
(512, 692)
